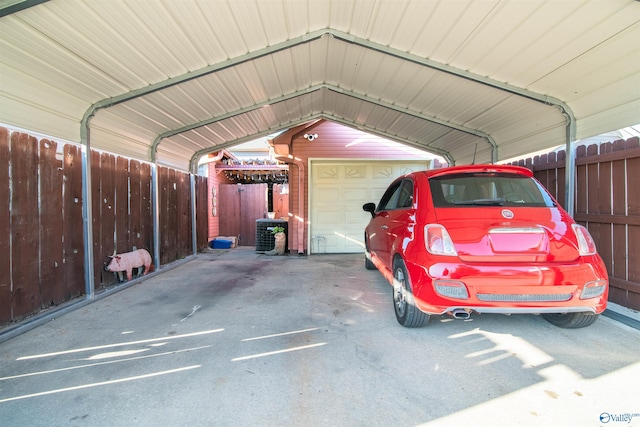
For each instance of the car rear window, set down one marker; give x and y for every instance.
(488, 189)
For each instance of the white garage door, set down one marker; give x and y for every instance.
(338, 189)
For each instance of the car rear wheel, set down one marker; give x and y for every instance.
(407, 313)
(571, 320)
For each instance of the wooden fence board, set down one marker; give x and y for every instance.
(633, 179)
(188, 244)
(634, 248)
(183, 215)
(99, 257)
(146, 223)
(51, 250)
(107, 215)
(122, 204)
(188, 241)
(541, 176)
(604, 188)
(562, 192)
(5, 230)
(172, 229)
(72, 222)
(581, 189)
(190, 226)
(604, 244)
(619, 248)
(24, 224)
(619, 187)
(163, 195)
(593, 192)
(135, 204)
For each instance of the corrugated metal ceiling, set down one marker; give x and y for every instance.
(494, 77)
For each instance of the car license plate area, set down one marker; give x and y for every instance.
(518, 241)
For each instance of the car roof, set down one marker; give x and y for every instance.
(518, 170)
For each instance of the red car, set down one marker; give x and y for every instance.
(483, 239)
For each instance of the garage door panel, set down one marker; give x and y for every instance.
(329, 217)
(326, 173)
(376, 194)
(355, 172)
(356, 197)
(338, 189)
(328, 243)
(356, 218)
(349, 194)
(327, 195)
(382, 172)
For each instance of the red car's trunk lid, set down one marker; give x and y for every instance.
(496, 234)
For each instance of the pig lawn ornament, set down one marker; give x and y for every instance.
(130, 260)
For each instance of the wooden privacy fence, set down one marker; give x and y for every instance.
(121, 207)
(239, 208)
(607, 203)
(41, 223)
(38, 268)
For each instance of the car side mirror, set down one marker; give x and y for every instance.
(369, 207)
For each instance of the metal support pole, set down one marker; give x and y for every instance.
(87, 221)
(194, 229)
(570, 178)
(570, 166)
(155, 212)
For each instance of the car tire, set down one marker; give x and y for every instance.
(368, 264)
(407, 314)
(571, 320)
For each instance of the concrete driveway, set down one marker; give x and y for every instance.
(236, 338)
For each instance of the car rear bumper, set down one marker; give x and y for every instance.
(512, 289)
(517, 310)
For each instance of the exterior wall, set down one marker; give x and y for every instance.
(334, 141)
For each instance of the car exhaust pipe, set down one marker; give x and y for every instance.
(460, 313)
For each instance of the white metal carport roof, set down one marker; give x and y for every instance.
(170, 81)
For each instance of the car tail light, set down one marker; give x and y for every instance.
(451, 289)
(586, 245)
(593, 289)
(438, 241)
